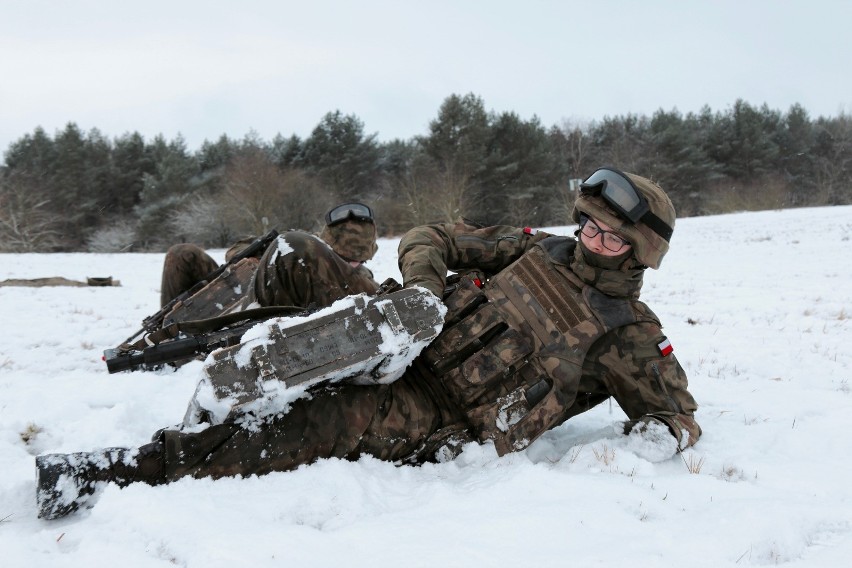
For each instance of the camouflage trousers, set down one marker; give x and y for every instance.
(185, 265)
(403, 422)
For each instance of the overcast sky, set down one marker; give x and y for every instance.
(204, 68)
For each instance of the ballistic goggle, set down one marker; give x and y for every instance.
(623, 196)
(348, 211)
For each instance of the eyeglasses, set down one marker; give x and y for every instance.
(349, 211)
(611, 241)
(620, 193)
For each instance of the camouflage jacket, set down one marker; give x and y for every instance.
(545, 338)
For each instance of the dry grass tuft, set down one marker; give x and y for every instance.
(606, 456)
(731, 473)
(575, 453)
(30, 433)
(693, 463)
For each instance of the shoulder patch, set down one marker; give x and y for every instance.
(530, 231)
(665, 346)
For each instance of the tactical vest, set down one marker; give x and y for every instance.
(511, 353)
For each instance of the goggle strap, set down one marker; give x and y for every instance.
(657, 225)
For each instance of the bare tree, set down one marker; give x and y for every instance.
(303, 201)
(120, 236)
(204, 220)
(574, 146)
(408, 204)
(453, 195)
(27, 223)
(258, 195)
(435, 194)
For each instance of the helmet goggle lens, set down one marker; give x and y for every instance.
(349, 211)
(619, 192)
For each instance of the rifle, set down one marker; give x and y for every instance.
(175, 351)
(155, 320)
(180, 342)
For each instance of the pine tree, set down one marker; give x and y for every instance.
(344, 159)
(457, 146)
(522, 174)
(164, 191)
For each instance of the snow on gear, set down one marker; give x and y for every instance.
(358, 339)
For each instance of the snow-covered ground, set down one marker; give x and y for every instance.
(758, 307)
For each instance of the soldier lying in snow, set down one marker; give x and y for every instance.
(350, 231)
(293, 270)
(554, 328)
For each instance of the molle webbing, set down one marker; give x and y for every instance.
(549, 288)
(561, 302)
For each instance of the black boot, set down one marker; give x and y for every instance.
(64, 482)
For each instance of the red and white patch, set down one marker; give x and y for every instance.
(665, 346)
(530, 231)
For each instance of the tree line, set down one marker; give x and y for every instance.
(77, 191)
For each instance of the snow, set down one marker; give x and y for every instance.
(757, 306)
(283, 249)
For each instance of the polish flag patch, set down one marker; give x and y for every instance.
(665, 346)
(530, 231)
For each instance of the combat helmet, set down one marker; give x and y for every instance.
(633, 206)
(350, 231)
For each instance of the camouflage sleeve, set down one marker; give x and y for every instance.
(644, 382)
(427, 252)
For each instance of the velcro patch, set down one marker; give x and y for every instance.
(665, 346)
